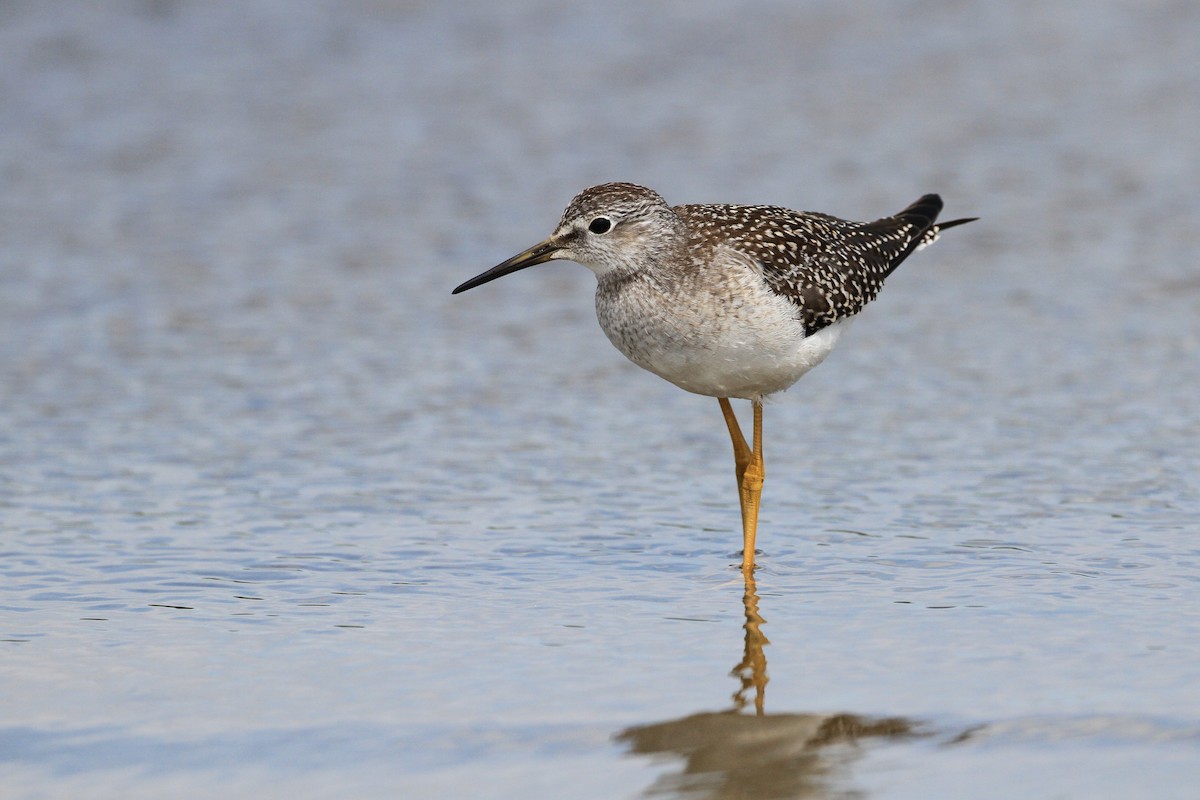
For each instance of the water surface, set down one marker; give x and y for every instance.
(278, 516)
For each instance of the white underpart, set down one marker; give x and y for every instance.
(730, 338)
(748, 358)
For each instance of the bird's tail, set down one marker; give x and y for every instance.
(934, 231)
(923, 213)
(941, 226)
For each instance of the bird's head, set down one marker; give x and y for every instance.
(613, 226)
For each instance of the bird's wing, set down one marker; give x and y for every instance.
(828, 267)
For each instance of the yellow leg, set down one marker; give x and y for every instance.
(741, 451)
(748, 465)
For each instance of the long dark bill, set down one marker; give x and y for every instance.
(540, 253)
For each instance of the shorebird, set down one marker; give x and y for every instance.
(729, 301)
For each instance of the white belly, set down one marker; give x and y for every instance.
(745, 343)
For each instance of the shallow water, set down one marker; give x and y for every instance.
(281, 517)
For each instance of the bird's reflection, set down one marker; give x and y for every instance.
(732, 754)
(752, 669)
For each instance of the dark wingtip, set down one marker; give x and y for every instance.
(923, 211)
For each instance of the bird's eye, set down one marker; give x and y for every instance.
(600, 225)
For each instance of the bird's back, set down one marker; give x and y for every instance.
(830, 268)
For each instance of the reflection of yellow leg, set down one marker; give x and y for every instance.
(748, 465)
(751, 671)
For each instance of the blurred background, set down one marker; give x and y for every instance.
(279, 515)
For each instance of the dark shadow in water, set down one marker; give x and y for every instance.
(731, 754)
